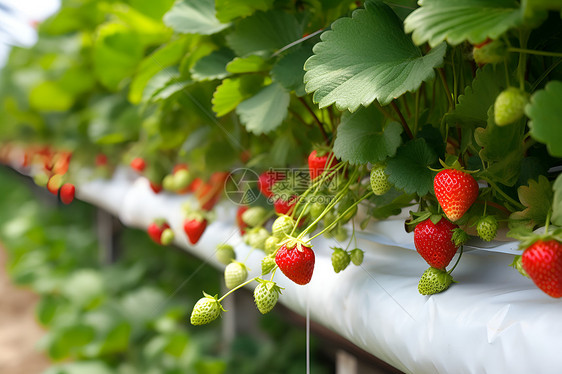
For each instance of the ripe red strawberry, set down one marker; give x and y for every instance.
(239, 221)
(155, 230)
(194, 228)
(296, 261)
(267, 179)
(317, 163)
(101, 159)
(67, 192)
(285, 207)
(456, 191)
(138, 164)
(155, 187)
(543, 263)
(434, 242)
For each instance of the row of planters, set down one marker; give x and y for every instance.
(121, 318)
(448, 109)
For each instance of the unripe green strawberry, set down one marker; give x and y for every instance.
(41, 179)
(169, 183)
(206, 310)
(490, 52)
(266, 295)
(167, 236)
(271, 245)
(510, 106)
(235, 274)
(487, 228)
(434, 281)
(282, 226)
(316, 210)
(254, 216)
(379, 180)
(459, 237)
(340, 259)
(330, 218)
(182, 178)
(357, 256)
(256, 237)
(347, 202)
(340, 233)
(225, 254)
(267, 264)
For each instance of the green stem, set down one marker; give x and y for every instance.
(547, 223)
(273, 273)
(534, 52)
(417, 112)
(333, 224)
(503, 194)
(318, 122)
(458, 259)
(446, 87)
(402, 120)
(522, 66)
(237, 287)
(545, 74)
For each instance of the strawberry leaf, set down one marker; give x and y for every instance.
(472, 109)
(165, 56)
(502, 148)
(390, 204)
(409, 170)
(363, 137)
(233, 91)
(212, 66)
(250, 64)
(227, 10)
(458, 20)
(543, 107)
(263, 33)
(194, 17)
(537, 197)
(557, 201)
(289, 69)
(365, 58)
(266, 110)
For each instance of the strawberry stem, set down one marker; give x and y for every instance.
(402, 119)
(534, 52)
(547, 223)
(458, 259)
(316, 119)
(237, 287)
(503, 194)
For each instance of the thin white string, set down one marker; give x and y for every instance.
(307, 335)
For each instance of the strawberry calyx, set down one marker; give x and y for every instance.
(215, 299)
(292, 242)
(517, 264)
(452, 162)
(527, 237)
(418, 217)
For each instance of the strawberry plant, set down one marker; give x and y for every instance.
(447, 108)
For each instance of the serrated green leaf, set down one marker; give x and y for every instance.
(116, 53)
(289, 70)
(227, 10)
(363, 137)
(409, 171)
(472, 109)
(365, 58)
(212, 66)
(233, 91)
(249, 64)
(543, 110)
(455, 21)
(537, 197)
(172, 87)
(266, 110)
(263, 33)
(557, 201)
(165, 56)
(390, 204)
(194, 17)
(502, 148)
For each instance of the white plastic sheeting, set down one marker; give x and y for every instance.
(492, 321)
